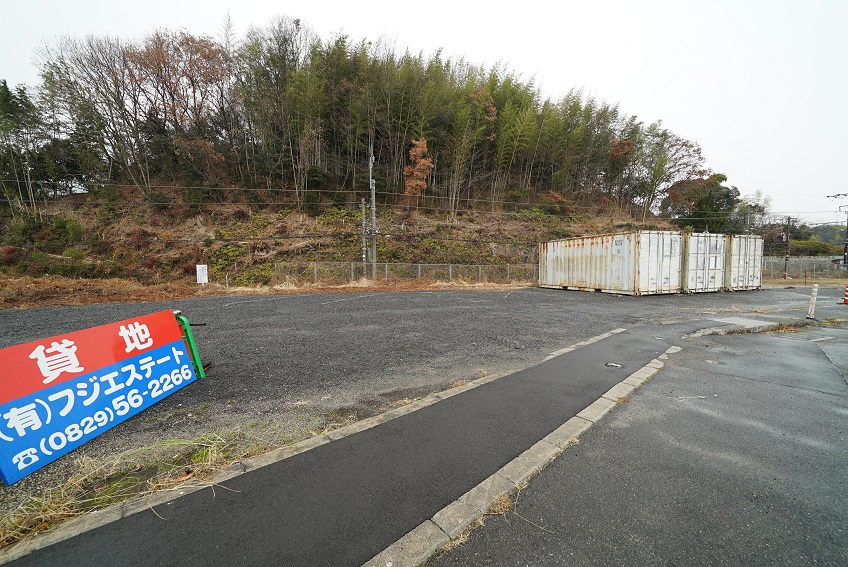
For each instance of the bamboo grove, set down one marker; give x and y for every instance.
(283, 116)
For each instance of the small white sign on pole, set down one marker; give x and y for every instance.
(202, 274)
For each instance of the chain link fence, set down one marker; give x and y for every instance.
(340, 273)
(802, 266)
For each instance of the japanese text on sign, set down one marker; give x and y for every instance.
(66, 395)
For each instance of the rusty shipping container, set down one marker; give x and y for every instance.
(633, 263)
(744, 269)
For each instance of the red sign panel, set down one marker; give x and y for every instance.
(32, 366)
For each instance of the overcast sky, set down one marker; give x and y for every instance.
(761, 85)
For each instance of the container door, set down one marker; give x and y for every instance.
(746, 262)
(659, 262)
(705, 262)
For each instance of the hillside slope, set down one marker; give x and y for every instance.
(241, 244)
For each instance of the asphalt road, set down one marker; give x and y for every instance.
(350, 345)
(734, 454)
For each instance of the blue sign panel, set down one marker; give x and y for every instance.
(42, 426)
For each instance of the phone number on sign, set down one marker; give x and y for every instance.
(121, 406)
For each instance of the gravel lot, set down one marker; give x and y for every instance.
(284, 364)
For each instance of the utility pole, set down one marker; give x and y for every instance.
(845, 244)
(364, 232)
(373, 185)
(788, 247)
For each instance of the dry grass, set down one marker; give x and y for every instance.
(26, 292)
(461, 538)
(57, 290)
(98, 484)
(622, 400)
(499, 507)
(828, 283)
(335, 422)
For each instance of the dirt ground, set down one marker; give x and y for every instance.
(27, 292)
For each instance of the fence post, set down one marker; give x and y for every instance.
(351, 272)
(450, 272)
(419, 271)
(479, 273)
(315, 272)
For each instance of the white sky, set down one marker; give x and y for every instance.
(758, 83)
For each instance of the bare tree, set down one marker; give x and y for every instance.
(96, 71)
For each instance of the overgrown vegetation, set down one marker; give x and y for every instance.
(243, 244)
(242, 150)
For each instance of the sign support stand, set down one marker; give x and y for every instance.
(192, 346)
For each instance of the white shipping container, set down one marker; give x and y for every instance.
(633, 263)
(704, 262)
(744, 262)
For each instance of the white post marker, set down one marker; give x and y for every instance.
(202, 274)
(811, 314)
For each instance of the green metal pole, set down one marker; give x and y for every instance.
(192, 346)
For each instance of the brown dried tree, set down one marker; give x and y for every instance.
(415, 175)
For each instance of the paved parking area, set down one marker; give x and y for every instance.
(734, 454)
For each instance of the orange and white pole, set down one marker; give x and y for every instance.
(845, 299)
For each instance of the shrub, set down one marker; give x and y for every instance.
(140, 238)
(340, 199)
(63, 231)
(158, 201)
(813, 248)
(10, 255)
(225, 256)
(340, 216)
(255, 275)
(311, 202)
(73, 253)
(23, 230)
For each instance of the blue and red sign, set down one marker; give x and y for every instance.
(58, 393)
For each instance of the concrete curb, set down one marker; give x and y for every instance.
(416, 547)
(99, 518)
